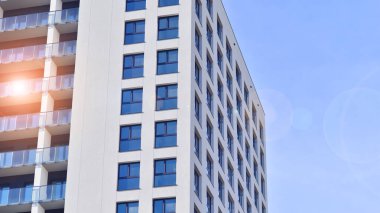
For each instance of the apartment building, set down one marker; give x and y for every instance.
(127, 106)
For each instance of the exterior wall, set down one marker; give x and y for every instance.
(94, 157)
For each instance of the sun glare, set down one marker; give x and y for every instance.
(19, 88)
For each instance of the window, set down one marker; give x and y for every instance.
(134, 32)
(196, 209)
(197, 146)
(210, 6)
(246, 95)
(263, 209)
(209, 168)
(231, 205)
(230, 175)
(198, 10)
(262, 159)
(239, 133)
(229, 112)
(197, 183)
(238, 76)
(221, 155)
(254, 142)
(198, 111)
(198, 41)
(209, 202)
(133, 5)
(221, 189)
(210, 99)
(133, 66)
(230, 142)
(167, 62)
(166, 97)
(130, 207)
(261, 133)
(256, 198)
(164, 3)
(165, 172)
(131, 101)
(219, 29)
(209, 35)
(130, 138)
(210, 68)
(246, 123)
(129, 176)
(229, 52)
(240, 195)
(198, 76)
(220, 60)
(220, 91)
(229, 82)
(249, 207)
(164, 205)
(247, 152)
(255, 169)
(254, 113)
(240, 163)
(166, 134)
(262, 186)
(168, 27)
(238, 104)
(221, 123)
(248, 181)
(210, 134)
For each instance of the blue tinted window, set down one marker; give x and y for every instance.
(130, 138)
(198, 9)
(210, 68)
(164, 205)
(229, 82)
(197, 146)
(163, 3)
(198, 113)
(133, 66)
(198, 41)
(210, 134)
(133, 5)
(230, 175)
(198, 75)
(168, 27)
(129, 176)
(209, 203)
(210, 6)
(221, 189)
(131, 101)
(221, 155)
(209, 35)
(134, 32)
(210, 100)
(165, 172)
(130, 207)
(229, 52)
(166, 97)
(167, 61)
(221, 123)
(220, 60)
(166, 134)
(197, 183)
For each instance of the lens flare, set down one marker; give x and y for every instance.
(19, 88)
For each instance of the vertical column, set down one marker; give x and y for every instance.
(1, 12)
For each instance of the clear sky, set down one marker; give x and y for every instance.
(316, 65)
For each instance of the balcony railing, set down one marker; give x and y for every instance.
(33, 156)
(37, 52)
(54, 154)
(15, 196)
(49, 193)
(24, 87)
(66, 16)
(17, 158)
(39, 19)
(20, 87)
(35, 120)
(30, 194)
(19, 122)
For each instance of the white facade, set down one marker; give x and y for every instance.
(94, 102)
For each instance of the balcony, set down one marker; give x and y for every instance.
(26, 126)
(22, 162)
(21, 199)
(36, 24)
(32, 57)
(29, 91)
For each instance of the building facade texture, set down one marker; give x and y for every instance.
(127, 106)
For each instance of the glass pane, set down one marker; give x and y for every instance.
(173, 56)
(128, 61)
(172, 127)
(135, 169)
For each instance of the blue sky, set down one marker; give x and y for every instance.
(316, 65)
